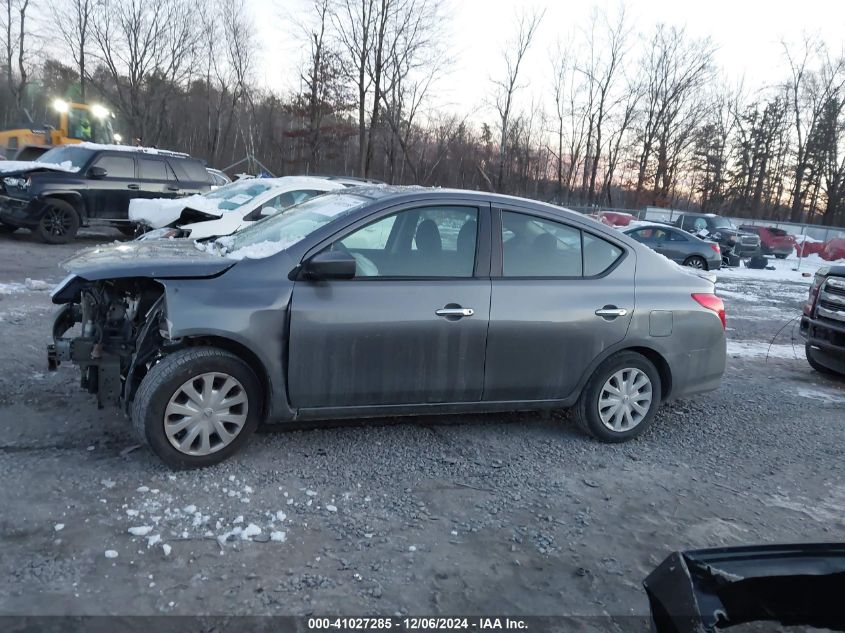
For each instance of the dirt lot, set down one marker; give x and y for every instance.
(503, 514)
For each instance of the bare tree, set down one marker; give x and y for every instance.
(147, 50)
(506, 87)
(672, 71)
(809, 91)
(16, 62)
(73, 20)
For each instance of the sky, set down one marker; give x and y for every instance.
(747, 33)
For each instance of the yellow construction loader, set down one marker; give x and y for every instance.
(74, 123)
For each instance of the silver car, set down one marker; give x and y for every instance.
(679, 246)
(381, 301)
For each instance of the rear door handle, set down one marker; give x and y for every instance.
(455, 312)
(611, 312)
(133, 186)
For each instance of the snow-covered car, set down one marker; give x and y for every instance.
(226, 209)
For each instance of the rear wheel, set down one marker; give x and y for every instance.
(59, 223)
(696, 262)
(129, 230)
(620, 399)
(780, 255)
(7, 228)
(196, 407)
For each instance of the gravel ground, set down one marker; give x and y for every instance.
(501, 514)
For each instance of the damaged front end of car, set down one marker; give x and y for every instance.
(706, 590)
(111, 329)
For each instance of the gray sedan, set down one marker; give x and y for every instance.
(380, 301)
(679, 246)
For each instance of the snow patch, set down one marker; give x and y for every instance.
(141, 530)
(278, 537)
(762, 349)
(110, 553)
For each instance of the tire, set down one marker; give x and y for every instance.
(587, 409)
(7, 229)
(780, 255)
(162, 391)
(129, 230)
(59, 223)
(822, 369)
(694, 261)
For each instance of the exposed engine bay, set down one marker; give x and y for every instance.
(111, 330)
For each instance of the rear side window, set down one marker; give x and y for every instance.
(537, 247)
(117, 166)
(189, 169)
(151, 169)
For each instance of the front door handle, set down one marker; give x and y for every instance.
(134, 186)
(455, 312)
(611, 312)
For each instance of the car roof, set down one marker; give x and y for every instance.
(291, 182)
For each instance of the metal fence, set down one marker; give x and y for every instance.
(658, 214)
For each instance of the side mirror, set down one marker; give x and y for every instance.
(97, 172)
(330, 265)
(266, 212)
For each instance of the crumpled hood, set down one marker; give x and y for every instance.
(18, 167)
(160, 212)
(153, 258)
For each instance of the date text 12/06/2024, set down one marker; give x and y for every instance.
(417, 624)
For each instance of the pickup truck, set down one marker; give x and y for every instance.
(823, 321)
(733, 241)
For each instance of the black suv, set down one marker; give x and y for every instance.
(720, 229)
(82, 185)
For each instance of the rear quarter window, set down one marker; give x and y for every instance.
(599, 255)
(190, 170)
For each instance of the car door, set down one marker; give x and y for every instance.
(561, 295)
(668, 244)
(110, 194)
(411, 327)
(155, 178)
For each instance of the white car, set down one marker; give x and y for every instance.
(226, 209)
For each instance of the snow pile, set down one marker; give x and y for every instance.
(790, 269)
(156, 517)
(261, 250)
(763, 349)
(11, 166)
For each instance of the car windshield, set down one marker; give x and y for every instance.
(68, 156)
(237, 194)
(291, 226)
(722, 223)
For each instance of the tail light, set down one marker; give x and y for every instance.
(715, 248)
(714, 303)
(813, 296)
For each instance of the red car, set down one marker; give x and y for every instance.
(834, 249)
(773, 241)
(613, 218)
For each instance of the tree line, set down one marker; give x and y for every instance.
(623, 117)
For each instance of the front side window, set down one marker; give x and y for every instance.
(427, 242)
(117, 166)
(536, 247)
(67, 155)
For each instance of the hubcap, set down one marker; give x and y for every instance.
(56, 221)
(625, 399)
(695, 263)
(206, 414)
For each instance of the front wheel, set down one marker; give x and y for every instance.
(810, 352)
(59, 223)
(620, 399)
(197, 406)
(696, 262)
